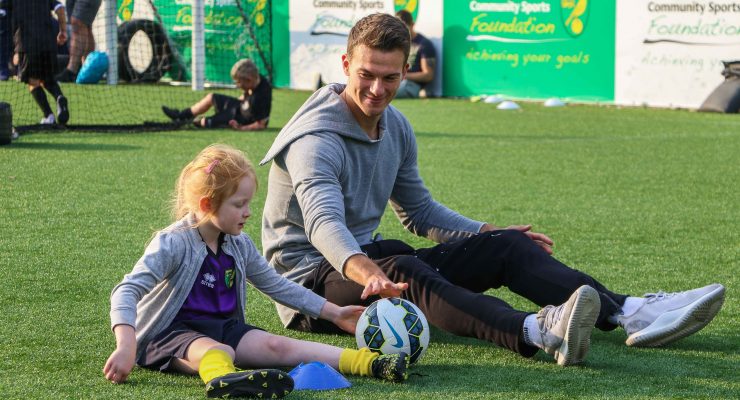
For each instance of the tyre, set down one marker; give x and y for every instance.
(143, 51)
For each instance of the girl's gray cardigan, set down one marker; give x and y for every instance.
(151, 295)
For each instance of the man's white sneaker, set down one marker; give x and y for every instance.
(667, 317)
(48, 120)
(566, 329)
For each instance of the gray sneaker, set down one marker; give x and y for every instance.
(667, 317)
(566, 329)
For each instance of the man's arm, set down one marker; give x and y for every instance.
(315, 164)
(361, 269)
(62, 18)
(427, 71)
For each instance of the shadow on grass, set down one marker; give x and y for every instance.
(74, 146)
(698, 342)
(611, 371)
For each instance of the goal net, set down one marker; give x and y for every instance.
(143, 58)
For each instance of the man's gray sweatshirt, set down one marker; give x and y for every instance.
(329, 184)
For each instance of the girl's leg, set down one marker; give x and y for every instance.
(260, 349)
(214, 362)
(191, 363)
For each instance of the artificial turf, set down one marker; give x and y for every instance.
(642, 199)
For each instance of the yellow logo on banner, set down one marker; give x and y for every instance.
(125, 10)
(257, 15)
(575, 15)
(411, 6)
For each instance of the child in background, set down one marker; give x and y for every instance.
(182, 307)
(249, 112)
(36, 52)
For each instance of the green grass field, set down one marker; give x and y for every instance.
(642, 199)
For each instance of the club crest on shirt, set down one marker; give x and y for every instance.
(229, 278)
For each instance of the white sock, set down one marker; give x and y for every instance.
(531, 331)
(631, 305)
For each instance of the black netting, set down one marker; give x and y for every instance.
(154, 51)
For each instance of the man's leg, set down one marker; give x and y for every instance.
(81, 14)
(408, 90)
(509, 258)
(446, 306)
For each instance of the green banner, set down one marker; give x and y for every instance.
(550, 48)
(280, 43)
(234, 29)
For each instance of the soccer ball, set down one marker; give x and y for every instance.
(393, 325)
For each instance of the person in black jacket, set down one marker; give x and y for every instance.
(249, 112)
(35, 48)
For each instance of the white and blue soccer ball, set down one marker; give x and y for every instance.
(393, 325)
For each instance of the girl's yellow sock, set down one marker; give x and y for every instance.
(357, 362)
(215, 363)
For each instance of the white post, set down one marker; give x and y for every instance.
(198, 45)
(107, 16)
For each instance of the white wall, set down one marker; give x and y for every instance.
(319, 29)
(669, 52)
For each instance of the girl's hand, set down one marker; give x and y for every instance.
(347, 318)
(119, 365)
(343, 317)
(121, 361)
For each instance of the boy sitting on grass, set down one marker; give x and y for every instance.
(250, 112)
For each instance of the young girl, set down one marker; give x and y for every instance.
(182, 307)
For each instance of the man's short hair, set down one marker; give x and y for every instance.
(382, 32)
(406, 17)
(243, 69)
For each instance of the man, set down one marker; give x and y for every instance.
(347, 153)
(422, 61)
(82, 14)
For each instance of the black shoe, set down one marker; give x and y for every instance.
(391, 367)
(176, 115)
(66, 76)
(261, 383)
(62, 110)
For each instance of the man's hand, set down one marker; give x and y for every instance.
(540, 238)
(381, 285)
(61, 38)
(364, 271)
